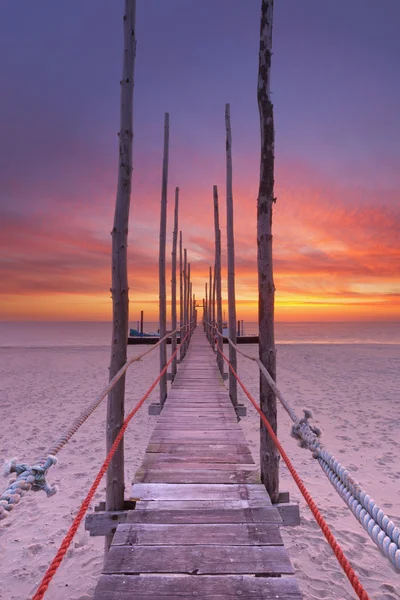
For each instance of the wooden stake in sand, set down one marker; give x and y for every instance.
(173, 283)
(181, 309)
(231, 257)
(115, 404)
(162, 279)
(266, 294)
(210, 284)
(220, 360)
(185, 294)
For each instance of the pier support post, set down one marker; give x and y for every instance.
(269, 456)
(162, 277)
(217, 276)
(231, 257)
(115, 485)
(173, 284)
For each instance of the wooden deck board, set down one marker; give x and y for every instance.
(200, 506)
(228, 587)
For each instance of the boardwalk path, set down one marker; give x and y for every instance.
(203, 524)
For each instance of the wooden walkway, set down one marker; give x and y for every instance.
(203, 525)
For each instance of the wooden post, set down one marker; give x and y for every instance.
(162, 277)
(213, 314)
(115, 484)
(191, 304)
(141, 322)
(209, 305)
(231, 257)
(220, 360)
(266, 290)
(185, 292)
(173, 284)
(188, 303)
(181, 311)
(206, 310)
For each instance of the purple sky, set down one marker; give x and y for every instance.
(335, 88)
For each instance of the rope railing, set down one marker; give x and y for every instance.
(341, 557)
(51, 571)
(33, 477)
(381, 529)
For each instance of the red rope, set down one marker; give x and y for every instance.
(51, 571)
(345, 564)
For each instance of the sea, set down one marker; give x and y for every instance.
(45, 334)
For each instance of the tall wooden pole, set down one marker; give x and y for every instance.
(173, 283)
(162, 276)
(220, 360)
(210, 332)
(185, 293)
(181, 309)
(115, 484)
(266, 294)
(141, 321)
(231, 257)
(206, 310)
(188, 302)
(213, 313)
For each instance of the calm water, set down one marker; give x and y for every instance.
(50, 334)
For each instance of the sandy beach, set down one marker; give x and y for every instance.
(352, 390)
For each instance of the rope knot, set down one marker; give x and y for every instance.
(26, 478)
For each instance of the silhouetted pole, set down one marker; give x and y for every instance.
(162, 282)
(188, 304)
(191, 304)
(220, 360)
(266, 295)
(209, 303)
(185, 293)
(206, 310)
(141, 321)
(231, 257)
(213, 314)
(181, 308)
(115, 484)
(173, 283)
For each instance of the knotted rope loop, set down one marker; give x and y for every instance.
(28, 477)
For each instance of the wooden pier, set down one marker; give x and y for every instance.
(203, 525)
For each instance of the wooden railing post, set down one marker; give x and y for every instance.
(173, 284)
(162, 273)
(220, 360)
(185, 294)
(115, 484)
(231, 257)
(266, 290)
(181, 309)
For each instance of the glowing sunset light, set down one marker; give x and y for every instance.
(336, 222)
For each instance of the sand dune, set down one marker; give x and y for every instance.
(351, 389)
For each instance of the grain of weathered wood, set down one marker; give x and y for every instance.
(196, 476)
(199, 534)
(214, 587)
(199, 504)
(198, 560)
(265, 514)
(166, 491)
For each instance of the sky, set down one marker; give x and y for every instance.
(336, 95)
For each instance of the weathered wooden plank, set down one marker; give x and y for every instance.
(199, 534)
(104, 523)
(198, 560)
(200, 424)
(200, 504)
(194, 466)
(196, 476)
(187, 491)
(210, 449)
(214, 587)
(266, 514)
(177, 456)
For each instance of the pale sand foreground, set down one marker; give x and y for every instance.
(353, 391)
